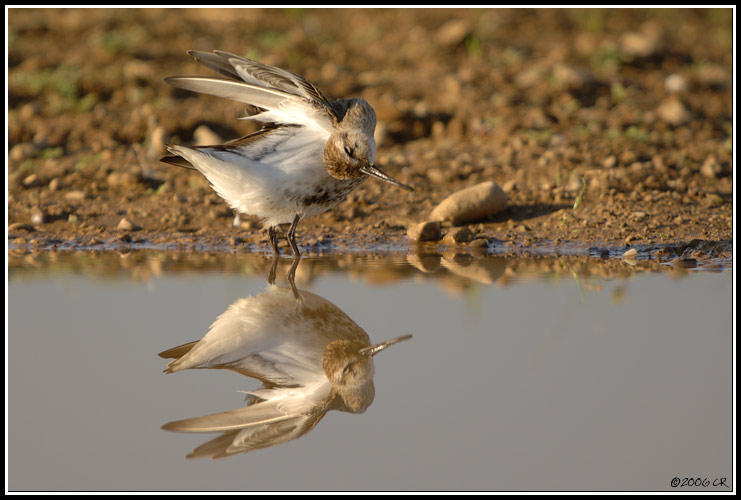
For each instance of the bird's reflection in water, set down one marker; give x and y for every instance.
(309, 355)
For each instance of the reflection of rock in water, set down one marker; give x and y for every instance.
(485, 271)
(309, 355)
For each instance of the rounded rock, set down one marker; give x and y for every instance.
(425, 231)
(471, 204)
(127, 225)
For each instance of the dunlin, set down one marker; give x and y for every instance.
(309, 355)
(309, 155)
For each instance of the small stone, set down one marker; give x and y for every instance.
(510, 185)
(609, 162)
(675, 83)
(638, 215)
(55, 184)
(630, 254)
(425, 231)
(673, 111)
(458, 235)
(643, 43)
(37, 216)
(471, 204)
(156, 143)
(21, 151)
(122, 179)
(20, 226)
(127, 225)
(713, 200)
(438, 175)
(453, 32)
(204, 136)
(711, 168)
(480, 243)
(74, 196)
(31, 180)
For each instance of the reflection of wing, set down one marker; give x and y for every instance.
(257, 437)
(269, 406)
(286, 414)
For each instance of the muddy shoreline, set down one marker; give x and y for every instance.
(608, 130)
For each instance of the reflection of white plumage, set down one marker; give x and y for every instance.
(309, 355)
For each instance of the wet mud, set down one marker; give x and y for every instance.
(608, 129)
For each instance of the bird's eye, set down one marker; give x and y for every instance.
(349, 151)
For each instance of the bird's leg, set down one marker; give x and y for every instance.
(273, 270)
(292, 236)
(273, 240)
(291, 276)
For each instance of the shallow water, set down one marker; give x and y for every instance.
(522, 375)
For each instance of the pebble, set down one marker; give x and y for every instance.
(31, 180)
(609, 162)
(22, 151)
(121, 179)
(156, 143)
(673, 111)
(710, 168)
(75, 195)
(675, 83)
(55, 184)
(127, 225)
(630, 254)
(471, 204)
(453, 32)
(37, 216)
(204, 136)
(439, 175)
(425, 231)
(458, 235)
(712, 200)
(644, 43)
(20, 226)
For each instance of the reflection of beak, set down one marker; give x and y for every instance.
(374, 349)
(372, 171)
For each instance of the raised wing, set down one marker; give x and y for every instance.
(285, 97)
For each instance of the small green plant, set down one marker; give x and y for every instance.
(473, 45)
(52, 152)
(581, 194)
(617, 90)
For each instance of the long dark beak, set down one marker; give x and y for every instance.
(375, 349)
(372, 171)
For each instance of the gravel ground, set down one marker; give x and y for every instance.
(607, 129)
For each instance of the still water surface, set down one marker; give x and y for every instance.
(522, 375)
